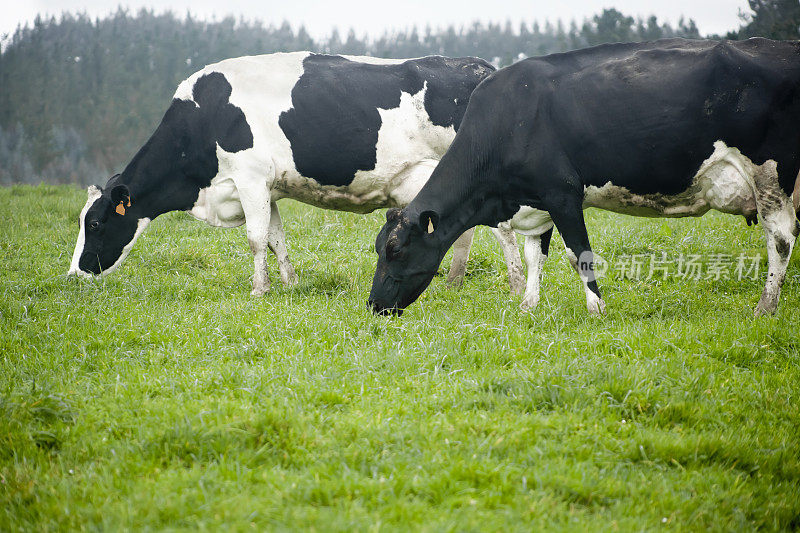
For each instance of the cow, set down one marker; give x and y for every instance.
(339, 132)
(669, 128)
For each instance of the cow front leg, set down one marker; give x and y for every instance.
(568, 218)
(536, 248)
(277, 243)
(781, 227)
(458, 266)
(508, 242)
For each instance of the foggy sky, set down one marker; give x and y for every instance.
(373, 17)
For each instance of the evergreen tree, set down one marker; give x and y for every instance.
(80, 96)
(775, 19)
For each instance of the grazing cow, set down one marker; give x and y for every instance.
(347, 133)
(663, 129)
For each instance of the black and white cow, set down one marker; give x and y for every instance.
(346, 133)
(663, 129)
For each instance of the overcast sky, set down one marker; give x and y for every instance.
(373, 17)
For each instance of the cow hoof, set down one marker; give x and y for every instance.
(291, 281)
(455, 282)
(765, 310)
(767, 304)
(596, 306)
(261, 291)
(528, 305)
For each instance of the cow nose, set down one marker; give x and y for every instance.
(379, 309)
(90, 263)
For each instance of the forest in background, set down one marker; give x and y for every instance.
(78, 96)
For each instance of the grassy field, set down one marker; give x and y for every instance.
(165, 397)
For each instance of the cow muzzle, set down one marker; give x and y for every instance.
(90, 264)
(384, 310)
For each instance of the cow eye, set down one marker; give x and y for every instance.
(94, 224)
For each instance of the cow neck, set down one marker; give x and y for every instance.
(458, 209)
(142, 194)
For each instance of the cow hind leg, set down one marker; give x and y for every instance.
(781, 227)
(536, 248)
(508, 242)
(458, 266)
(277, 243)
(255, 198)
(568, 218)
(257, 238)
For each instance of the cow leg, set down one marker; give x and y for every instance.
(536, 248)
(460, 255)
(277, 243)
(568, 218)
(780, 227)
(255, 198)
(508, 242)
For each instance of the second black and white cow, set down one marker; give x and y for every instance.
(346, 133)
(665, 129)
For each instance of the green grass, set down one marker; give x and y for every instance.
(165, 397)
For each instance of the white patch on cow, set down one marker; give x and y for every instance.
(530, 221)
(261, 76)
(723, 182)
(140, 227)
(406, 135)
(93, 194)
(220, 203)
(406, 185)
(370, 60)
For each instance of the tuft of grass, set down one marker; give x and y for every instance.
(166, 397)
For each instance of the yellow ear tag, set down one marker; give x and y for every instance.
(430, 226)
(121, 208)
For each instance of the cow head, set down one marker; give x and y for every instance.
(110, 222)
(169, 171)
(409, 252)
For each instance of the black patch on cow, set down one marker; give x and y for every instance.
(334, 120)
(226, 122)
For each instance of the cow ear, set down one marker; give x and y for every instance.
(120, 198)
(120, 193)
(393, 215)
(429, 221)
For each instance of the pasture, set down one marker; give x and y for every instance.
(165, 397)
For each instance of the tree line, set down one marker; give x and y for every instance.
(80, 95)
